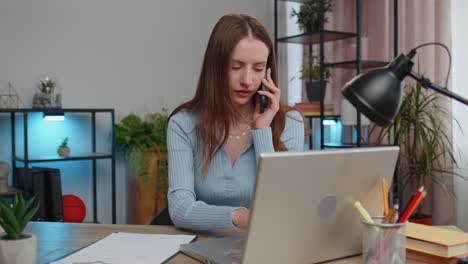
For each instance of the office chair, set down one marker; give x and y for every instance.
(162, 218)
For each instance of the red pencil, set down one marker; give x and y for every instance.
(418, 202)
(411, 206)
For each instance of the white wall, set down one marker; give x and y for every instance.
(128, 55)
(134, 56)
(459, 81)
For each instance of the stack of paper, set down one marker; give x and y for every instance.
(129, 248)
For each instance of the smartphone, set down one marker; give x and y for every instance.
(263, 98)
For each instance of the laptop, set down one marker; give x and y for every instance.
(302, 210)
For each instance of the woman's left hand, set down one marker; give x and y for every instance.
(273, 94)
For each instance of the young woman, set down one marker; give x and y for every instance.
(215, 139)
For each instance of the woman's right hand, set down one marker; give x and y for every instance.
(240, 218)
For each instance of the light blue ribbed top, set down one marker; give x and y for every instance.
(208, 205)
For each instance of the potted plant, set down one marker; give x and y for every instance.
(15, 246)
(143, 142)
(47, 96)
(308, 17)
(425, 148)
(64, 150)
(310, 73)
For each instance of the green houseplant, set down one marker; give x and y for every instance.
(143, 141)
(425, 149)
(64, 150)
(17, 247)
(310, 73)
(308, 17)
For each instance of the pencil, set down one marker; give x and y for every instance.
(411, 207)
(385, 196)
(390, 217)
(364, 214)
(418, 202)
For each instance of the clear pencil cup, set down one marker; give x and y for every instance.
(383, 243)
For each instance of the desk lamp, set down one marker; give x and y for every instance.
(378, 93)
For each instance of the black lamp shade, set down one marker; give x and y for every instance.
(377, 94)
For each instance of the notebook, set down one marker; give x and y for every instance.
(303, 207)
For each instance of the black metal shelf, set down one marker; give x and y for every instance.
(51, 158)
(325, 116)
(365, 64)
(353, 145)
(65, 110)
(321, 37)
(301, 1)
(93, 156)
(314, 37)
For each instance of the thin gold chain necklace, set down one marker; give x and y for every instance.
(237, 137)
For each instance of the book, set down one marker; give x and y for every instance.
(312, 106)
(33, 184)
(432, 259)
(436, 241)
(315, 113)
(53, 188)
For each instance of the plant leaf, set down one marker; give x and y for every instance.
(8, 215)
(24, 209)
(11, 232)
(28, 216)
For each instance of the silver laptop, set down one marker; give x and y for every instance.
(303, 211)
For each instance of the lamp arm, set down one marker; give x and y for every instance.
(426, 83)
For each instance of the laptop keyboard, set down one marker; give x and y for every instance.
(235, 251)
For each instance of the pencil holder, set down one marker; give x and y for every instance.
(383, 243)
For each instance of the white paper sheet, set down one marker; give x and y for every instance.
(126, 248)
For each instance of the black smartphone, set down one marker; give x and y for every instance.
(263, 98)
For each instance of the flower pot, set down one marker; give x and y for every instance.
(421, 219)
(4, 171)
(151, 190)
(21, 251)
(64, 151)
(313, 91)
(312, 26)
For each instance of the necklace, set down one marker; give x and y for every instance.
(237, 137)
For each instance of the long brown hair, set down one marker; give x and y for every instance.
(212, 101)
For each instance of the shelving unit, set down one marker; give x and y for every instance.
(311, 121)
(10, 192)
(321, 37)
(93, 156)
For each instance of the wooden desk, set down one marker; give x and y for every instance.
(55, 240)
